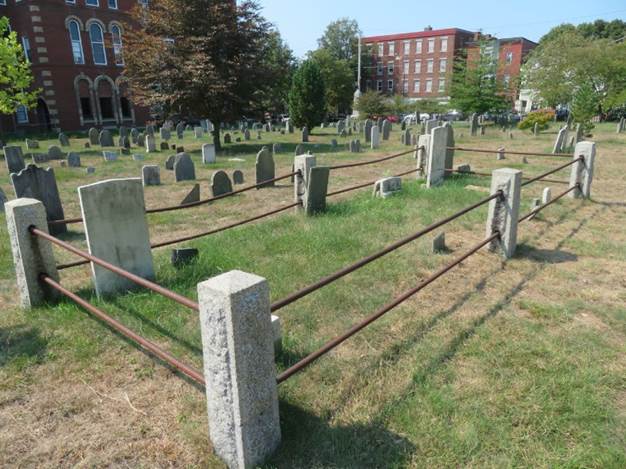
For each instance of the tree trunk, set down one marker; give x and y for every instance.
(216, 136)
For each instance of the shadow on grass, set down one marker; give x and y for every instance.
(309, 441)
(72, 235)
(21, 343)
(549, 256)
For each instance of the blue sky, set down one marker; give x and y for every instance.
(301, 23)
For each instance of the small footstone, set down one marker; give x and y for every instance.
(87, 145)
(193, 196)
(169, 162)
(91, 170)
(439, 243)
(238, 177)
(183, 256)
(165, 146)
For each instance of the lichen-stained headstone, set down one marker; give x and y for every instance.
(106, 139)
(14, 158)
(184, 169)
(238, 177)
(63, 140)
(94, 136)
(265, 168)
(220, 183)
(55, 153)
(38, 183)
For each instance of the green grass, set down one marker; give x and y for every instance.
(489, 367)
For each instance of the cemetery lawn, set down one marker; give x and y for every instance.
(497, 364)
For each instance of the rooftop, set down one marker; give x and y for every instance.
(415, 35)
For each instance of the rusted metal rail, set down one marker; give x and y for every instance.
(117, 270)
(378, 160)
(330, 345)
(366, 260)
(190, 204)
(552, 171)
(539, 209)
(510, 152)
(147, 345)
(477, 173)
(360, 186)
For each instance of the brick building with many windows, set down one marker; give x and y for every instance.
(416, 65)
(76, 51)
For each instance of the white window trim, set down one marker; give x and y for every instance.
(23, 109)
(430, 65)
(80, 43)
(104, 49)
(429, 86)
(431, 42)
(389, 85)
(379, 85)
(117, 48)
(417, 86)
(391, 67)
(418, 66)
(93, 6)
(444, 40)
(110, 7)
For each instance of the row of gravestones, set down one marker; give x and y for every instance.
(15, 159)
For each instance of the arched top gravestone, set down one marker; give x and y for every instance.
(220, 183)
(265, 168)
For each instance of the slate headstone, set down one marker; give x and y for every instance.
(14, 159)
(109, 155)
(151, 175)
(169, 162)
(193, 196)
(238, 177)
(184, 169)
(220, 183)
(305, 134)
(54, 153)
(265, 168)
(32, 144)
(73, 160)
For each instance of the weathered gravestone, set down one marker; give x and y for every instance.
(3, 200)
(109, 155)
(333, 144)
(238, 177)
(54, 153)
(198, 132)
(220, 183)
(94, 136)
(386, 128)
(164, 146)
(134, 136)
(141, 139)
(289, 127)
(192, 196)
(430, 125)
(246, 135)
(265, 168)
(149, 130)
(166, 134)
(150, 144)
(40, 158)
(180, 130)
(169, 162)
(227, 138)
(63, 140)
(367, 130)
(305, 134)
(473, 124)
(38, 183)
(123, 131)
(91, 170)
(184, 169)
(183, 256)
(560, 141)
(73, 160)
(114, 217)
(299, 150)
(208, 153)
(138, 157)
(375, 137)
(536, 129)
(124, 142)
(14, 159)
(151, 175)
(32, 144)
(276, 148)
(106, 139)
(387, 186)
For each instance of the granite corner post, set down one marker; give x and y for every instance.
(239, 368)
(503, 212)
(436, 167)
(582, 171)
(32, 255)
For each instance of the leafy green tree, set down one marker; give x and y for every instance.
(584, 106)
(475, 87)
(372, 104)
(15, 74)
(201, 57)
(280, 64)
(599, 29)
(338, 80)
(307, 96)
(340, 39)
(398, 105)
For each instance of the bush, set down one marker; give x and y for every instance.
(542, 117)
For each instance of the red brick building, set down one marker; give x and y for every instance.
(508, 57)
(76, 51)
(416, 65)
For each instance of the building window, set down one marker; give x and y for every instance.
(21, 114)
(507, 80)
(418, 46)
(379, 85)
(429, 86)
(443, 65)
(3, 2)
(116, 36)
(390, 85)
(416, 86)
(442, 85)
(113, 4)
(418, 66)
(85, 106)
(106, 108)
(429, 65)
(391, 48)
(390, 66)
(407, 47)
(71, 2)
(509, 57)
(381, 49)
(77, 45)
(26, 47)
(380, 68)
(431, 45)
(125, 105)
(444, 44)
(91, 3)
(97, 44)
(406, 67)
(405, 86)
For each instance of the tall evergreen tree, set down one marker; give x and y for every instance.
(307, 96)
(200, 57)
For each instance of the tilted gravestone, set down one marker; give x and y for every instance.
(208, 153)
(54, 153)
(94, 136)
(73, 160)
(109, 155)
(184, 169)
(305, 134)
(265, 168)
(32, 144)
(193, 196)
(14, 159)
(560, 141)
(220, 183)
(63, 140)
(38, 183)
(180, 130)
(165, 134)
(386, 129)
(238, 177)
(169, 162)
(151, 175)
(106, 139)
